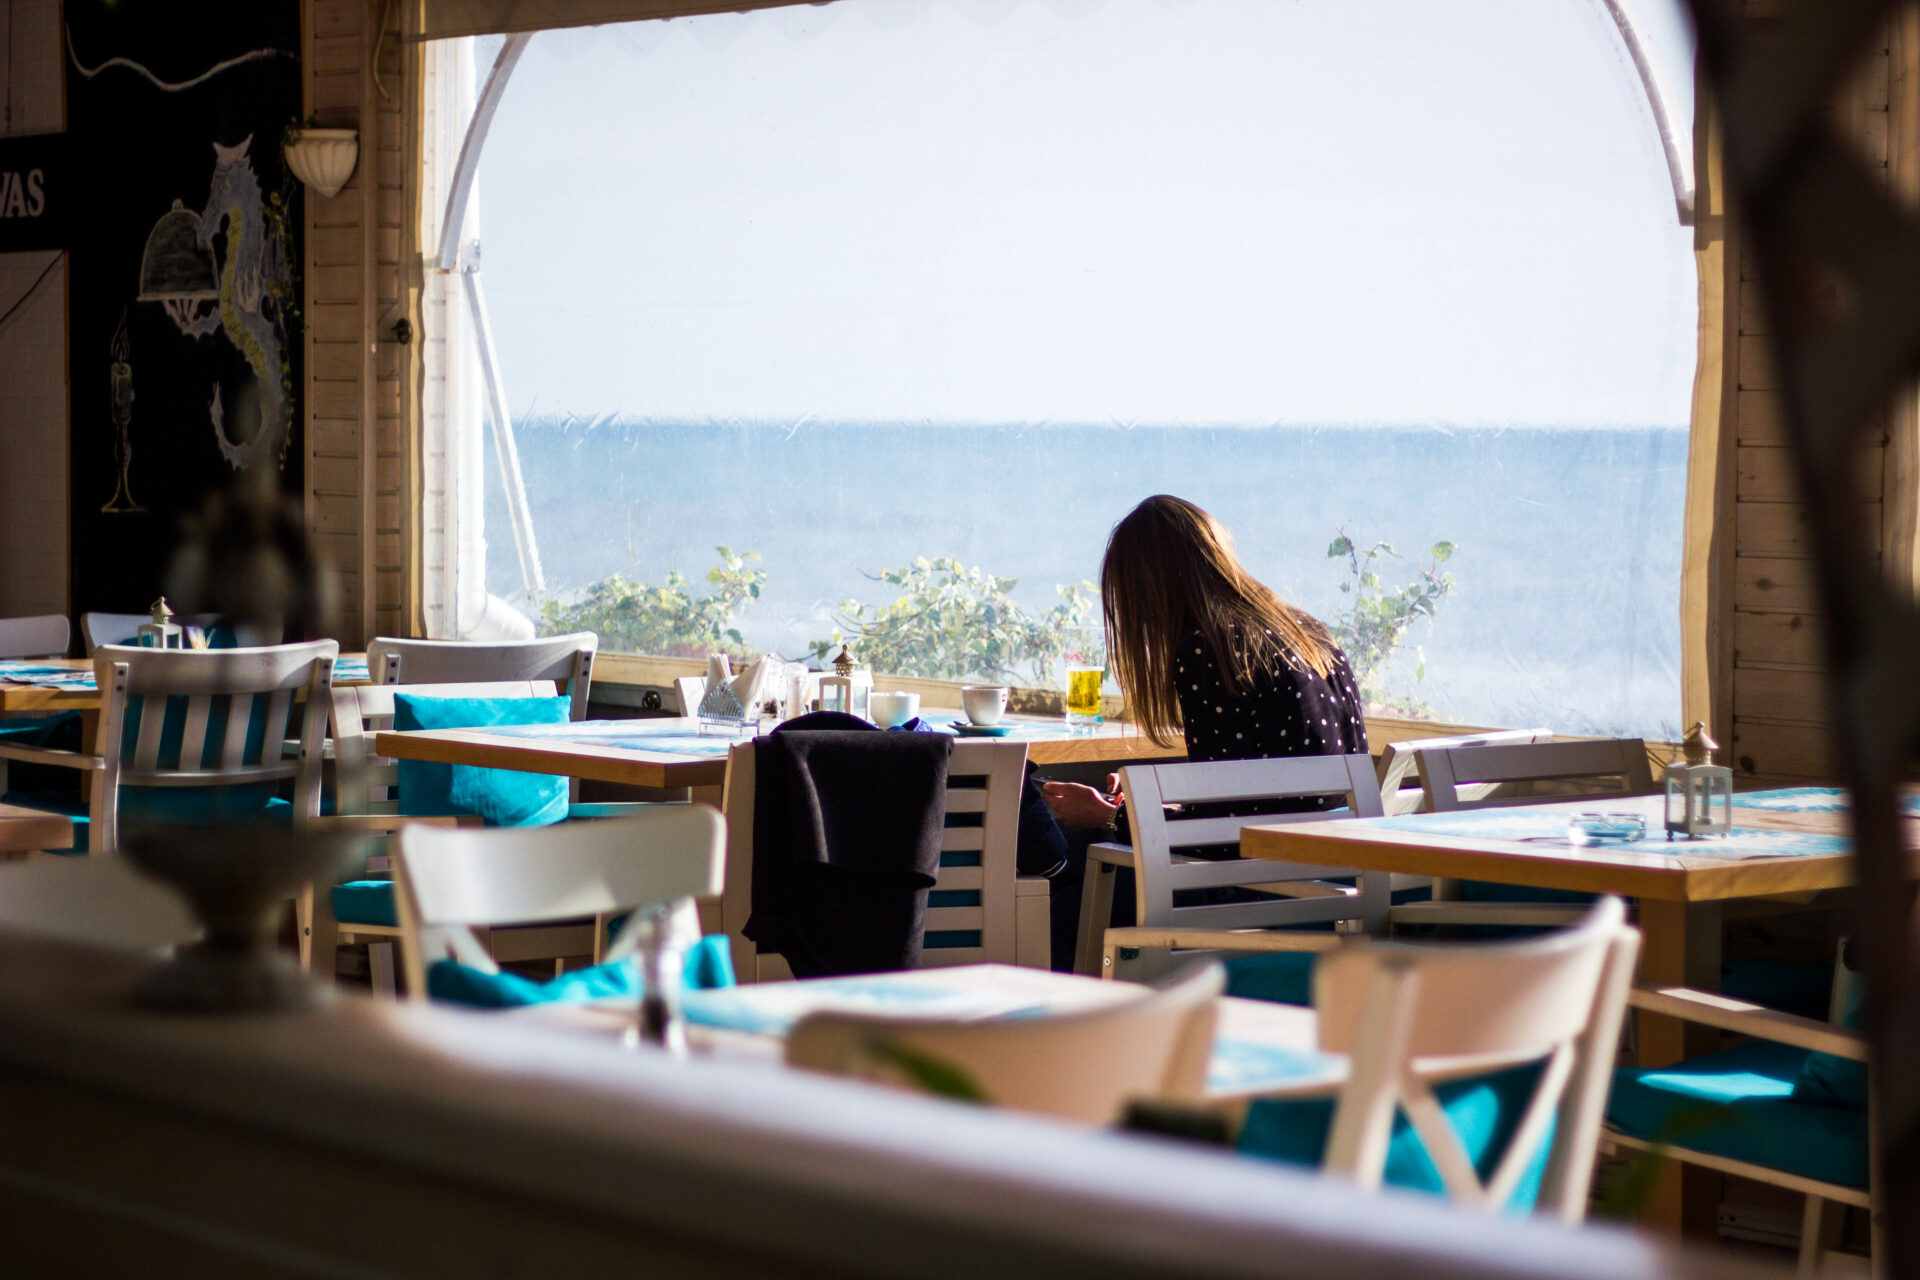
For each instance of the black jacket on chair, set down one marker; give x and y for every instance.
(847, 824)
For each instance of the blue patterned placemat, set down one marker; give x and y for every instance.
(37, 673)
(629, 735)
(1547, 829)
(351, 669)
(1809, 800)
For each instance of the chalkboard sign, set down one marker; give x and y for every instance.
(185, 243)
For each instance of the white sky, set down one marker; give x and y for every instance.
(1194, 211)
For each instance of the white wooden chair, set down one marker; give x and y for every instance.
(1294, 894)
(983, 777)
(566, 660)
(1820, 1226)
(1082, 1066)
(100, 901)
(1479, 777)
(44, 636)
(454, 884)
(1411, 1017)
(240, 690)
(1400, 789)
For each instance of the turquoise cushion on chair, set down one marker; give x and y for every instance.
(709, 964)
(1484, 1110)
(1283, 977)
(1829, 1080)
(1741, 1104)
(502, 797)
(246, 802)
(365, 902)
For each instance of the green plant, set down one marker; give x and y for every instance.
(1375, 622)
(952, 622)
(666, 619)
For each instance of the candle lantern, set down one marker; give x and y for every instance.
(162, 632)
(849, 688)
(1699, 792)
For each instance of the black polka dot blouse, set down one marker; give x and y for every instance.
(1286, 710)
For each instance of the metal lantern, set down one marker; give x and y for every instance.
(1699, 792)
(162, 632)
(849, 688)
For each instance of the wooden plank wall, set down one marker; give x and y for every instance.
(1771, 695)
(359, 377)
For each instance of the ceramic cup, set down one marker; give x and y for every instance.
(891, 710)
(984, 703)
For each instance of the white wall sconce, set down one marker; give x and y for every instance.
(322, 158)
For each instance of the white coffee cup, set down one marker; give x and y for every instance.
(984, 703)
(891, 710)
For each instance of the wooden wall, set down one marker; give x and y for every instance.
(358, 289)
(1769, 693)
(33, 342)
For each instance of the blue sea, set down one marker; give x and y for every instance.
(1568, 540)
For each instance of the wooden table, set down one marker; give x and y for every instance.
(617, 750)
(1679, 886)
(32, 830)
(1260, 1049)
(20, 696)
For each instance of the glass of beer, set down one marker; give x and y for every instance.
(1083, 664)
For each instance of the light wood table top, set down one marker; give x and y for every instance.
(669, 751)
(1527, 845)
(1261, 1049)
(21, 695)
(26, 830)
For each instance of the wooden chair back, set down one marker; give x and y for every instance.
(565, 660)
(1411, 1016)
(974, 892)
(1400, 789)
(239, 710)
(1083, 1066)
(44, 636)
(449, 880)
(367, 783)
(102, 902)
(1300, 894)
(1446, 772)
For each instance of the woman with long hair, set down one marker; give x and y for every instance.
(1203, 648)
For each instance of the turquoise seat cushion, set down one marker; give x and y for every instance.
(502, 797)
(365, 902)
(1283, 977)
(1484, 1110)
(1828, 1080)
(709, 965)
(1740, 1104)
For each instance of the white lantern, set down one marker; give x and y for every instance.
(162, 632)
(1699, 792)
(849, 688)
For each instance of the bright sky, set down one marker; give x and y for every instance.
(1214, 211)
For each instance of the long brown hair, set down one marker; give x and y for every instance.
(1170, 570)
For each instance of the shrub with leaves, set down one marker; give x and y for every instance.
(665, 619)
(952, 622)
(1377, 617)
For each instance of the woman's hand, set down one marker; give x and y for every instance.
(1079, 807)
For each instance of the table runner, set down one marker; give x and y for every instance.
(80, 679)
(670, 738)
(1548, 829)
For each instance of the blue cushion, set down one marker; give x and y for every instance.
(1484, 1110)
(1739, 1104)
(1828, 1080)
(1284, 977)
(709, 965)
(502, 797)
(365, 902)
